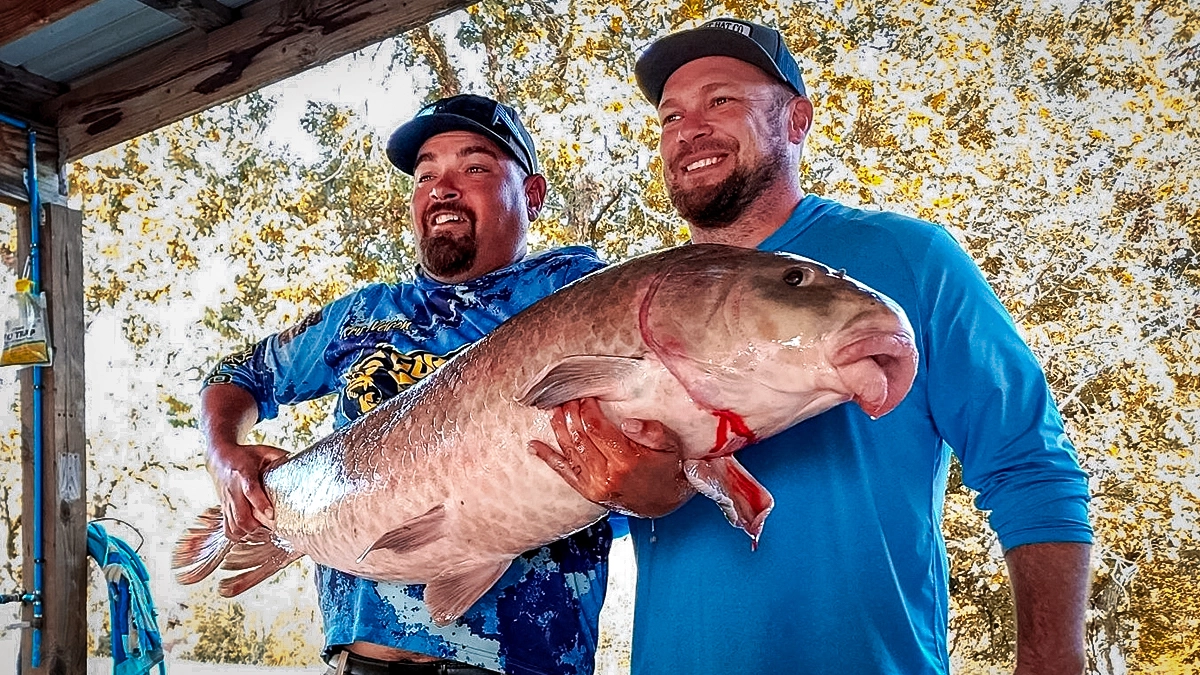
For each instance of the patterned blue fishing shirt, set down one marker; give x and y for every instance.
(542, 616)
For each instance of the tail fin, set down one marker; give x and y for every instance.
(262, 554)
(202, 548)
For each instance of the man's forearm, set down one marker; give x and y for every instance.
(227, 412)
(1050, 590)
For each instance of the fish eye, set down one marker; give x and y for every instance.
(798, 276)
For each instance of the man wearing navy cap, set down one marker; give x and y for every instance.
(476, 187)
(851, 573)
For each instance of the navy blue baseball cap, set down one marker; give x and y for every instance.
(750, 42)
(465, 112)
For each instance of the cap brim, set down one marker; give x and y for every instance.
(406, 141)
(663, 58)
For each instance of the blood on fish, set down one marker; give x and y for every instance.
(730, 421)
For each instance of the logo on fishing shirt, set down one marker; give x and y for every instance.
(381, 374)
(220, 373)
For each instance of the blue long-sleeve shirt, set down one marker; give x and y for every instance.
(541, 617)
(851, 573)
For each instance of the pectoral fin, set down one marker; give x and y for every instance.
(415, 533)
(745, 502)
(585, 376)
(452, 592)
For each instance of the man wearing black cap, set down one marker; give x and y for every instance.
(476, 189)
(851, 574)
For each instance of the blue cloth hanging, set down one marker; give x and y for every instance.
(136, 642)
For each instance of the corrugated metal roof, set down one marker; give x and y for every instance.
(93, 37)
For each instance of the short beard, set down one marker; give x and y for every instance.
(448, 255)
(722, 205)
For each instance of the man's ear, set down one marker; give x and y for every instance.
(799, 119)
(535, 195)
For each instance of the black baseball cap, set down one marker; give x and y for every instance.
(465, 112)
(750, 42)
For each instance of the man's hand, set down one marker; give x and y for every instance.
(633, 469)
(227, 412)
(237, 472)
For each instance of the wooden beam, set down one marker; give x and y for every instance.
(22, 93)
(19, 18)
(64, 506)
(14, 156)
(273, 40)
(207, 15)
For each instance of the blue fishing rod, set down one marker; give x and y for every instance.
(35, 596)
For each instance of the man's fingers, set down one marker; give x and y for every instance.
(259, 502)
(562, 434)
(556, 461)
(235, 520)
(651, 433)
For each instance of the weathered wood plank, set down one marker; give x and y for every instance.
(207, 15)
(14, 155)
(64, 507)
(19, 18)
(22, 93)
(274, 39)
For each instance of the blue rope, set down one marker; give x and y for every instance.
(136, 642)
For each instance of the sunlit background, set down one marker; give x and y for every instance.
(1056, 141)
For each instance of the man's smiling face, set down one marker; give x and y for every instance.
(722, 140)
(469, 207)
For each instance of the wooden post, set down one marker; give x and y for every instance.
(64, 509)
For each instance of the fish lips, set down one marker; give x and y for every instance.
(878, 369)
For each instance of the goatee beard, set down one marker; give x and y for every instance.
(450, 254)
(721, 205)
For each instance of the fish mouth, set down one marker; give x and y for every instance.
(878, 369)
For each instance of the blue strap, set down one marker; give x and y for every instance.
(136, 642)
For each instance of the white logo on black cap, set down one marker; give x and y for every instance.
(730, 25)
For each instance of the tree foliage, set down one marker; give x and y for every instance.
(1056, 142)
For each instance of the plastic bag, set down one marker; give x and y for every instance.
(27, 335)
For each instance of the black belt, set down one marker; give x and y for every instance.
(361, 665)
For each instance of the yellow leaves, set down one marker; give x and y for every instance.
(1168, 188)
(1097, 134)
(616, 23)
(154, 295)
(937, 101)
(691, 10)
(271, 233)
(916, 119)
(909, 191)
(180, 251)
(867, 176)
(339, 120)
(521, 49)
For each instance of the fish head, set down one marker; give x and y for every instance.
(769, 339)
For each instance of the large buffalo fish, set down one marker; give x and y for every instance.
(438, 485)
